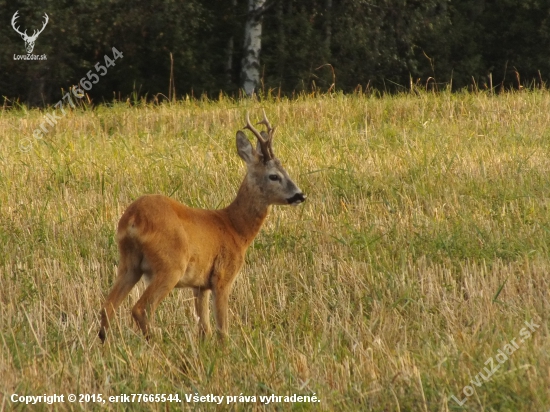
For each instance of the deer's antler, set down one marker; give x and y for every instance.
(24, 34)
(264, 138)
(37, 32)
(15, 17)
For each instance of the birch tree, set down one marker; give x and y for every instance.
(250, 67)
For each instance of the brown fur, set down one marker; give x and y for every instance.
(173, 245)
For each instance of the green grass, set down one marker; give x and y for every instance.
(421, 251)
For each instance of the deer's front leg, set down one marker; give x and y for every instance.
(203, 312)
(221, 308)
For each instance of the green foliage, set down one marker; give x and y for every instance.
(307, 45)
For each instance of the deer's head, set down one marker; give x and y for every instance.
(29, 40)
(265, 172)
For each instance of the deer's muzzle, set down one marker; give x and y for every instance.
(296, 199)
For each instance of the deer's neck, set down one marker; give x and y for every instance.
(247, 212)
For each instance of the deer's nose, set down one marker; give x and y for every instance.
(297, 199)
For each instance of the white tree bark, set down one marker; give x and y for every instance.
(250, 67)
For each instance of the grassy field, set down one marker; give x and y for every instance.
(420, 254)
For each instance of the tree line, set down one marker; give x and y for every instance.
(204, 47)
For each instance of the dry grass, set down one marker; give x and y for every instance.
(421, 251)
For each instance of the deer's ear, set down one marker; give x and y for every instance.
(259, 149)
(245, 149)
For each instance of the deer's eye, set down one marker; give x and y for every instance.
(274, 177)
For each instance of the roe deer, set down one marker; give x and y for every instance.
(173, 245)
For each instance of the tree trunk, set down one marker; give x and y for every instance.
(250, 68)
(230, 50)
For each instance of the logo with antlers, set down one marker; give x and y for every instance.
(29, 40)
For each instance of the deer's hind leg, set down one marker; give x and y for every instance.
(167, 259)
(129, 273)
(164, 280)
